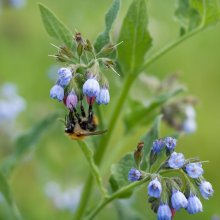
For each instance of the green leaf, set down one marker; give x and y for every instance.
(141, 114)
(27, 142)
(192, 14)
(119, 173)
(148, 139)
(5, 190)
(135, 36)
(55, 28)
(104, 37)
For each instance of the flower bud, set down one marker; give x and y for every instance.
(194, 170)
(134, 175)
(158, 145)
(91, 87)
(138, 153)
(206, 189)
(176, 160)
(65, 75)
(57, 92)
(154, 188)
(178, 200)
(170, 143)
(164, 212)
(103, 96)
(71, 100)
(194, 205)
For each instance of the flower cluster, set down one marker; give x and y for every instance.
(81, 77)
(169, 194)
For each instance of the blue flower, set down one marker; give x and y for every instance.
(176, 160)
(71, 100)
(57, 92)
(194, 170)
(189, 126)
(154, 188)
(65, 75)
(206, 189)
(194, 205)
(91, 88)
(103, 96)
(178, 200)
(134, 175)
(170, 143)
(164, 212)
(158, 145)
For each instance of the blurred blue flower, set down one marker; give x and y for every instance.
(158, 145)
(164, 212)
(176, 160)
(154, 188)
(206, 189)
(65, 75)
(134, 175)
(91, 88)
(103, 96)
(170, 143)
(18, 4)
(194, 205)
(57, 92)
(194, 170)
(189, 125)
(178, 200)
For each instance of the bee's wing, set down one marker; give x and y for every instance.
(94, 133)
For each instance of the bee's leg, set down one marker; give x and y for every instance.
(77, 115)
(91, 122)
(83, 113)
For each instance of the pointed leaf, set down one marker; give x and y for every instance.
(135, 36)
(104, 37)
(119, 172)
(148, 139)
(55, 28)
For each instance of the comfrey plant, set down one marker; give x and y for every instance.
(83, 88)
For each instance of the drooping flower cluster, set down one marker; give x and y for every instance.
(80, 78)
(169, 194)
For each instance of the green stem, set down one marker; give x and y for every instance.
(84, 199)
(113, 120)
(95, 171)
(116, 195)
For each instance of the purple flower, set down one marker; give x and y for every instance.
(134, 175)
(176, 160)
(194, 170)
(91, 88)
(154, 188)
(158, 145)
(57, 92)
(206, 189)
(103, 96)
(164, 212)
(194, 205)
(170, 143)
(178, 200)
(71, 100)
(65, 75)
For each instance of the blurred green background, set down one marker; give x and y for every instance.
(24, 46)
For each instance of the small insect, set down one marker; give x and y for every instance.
(79, 126)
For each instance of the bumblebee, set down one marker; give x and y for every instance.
(79, 126)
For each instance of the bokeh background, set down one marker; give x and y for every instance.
(57, 166)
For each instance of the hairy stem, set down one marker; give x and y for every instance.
(115, 195)
(94, 169)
